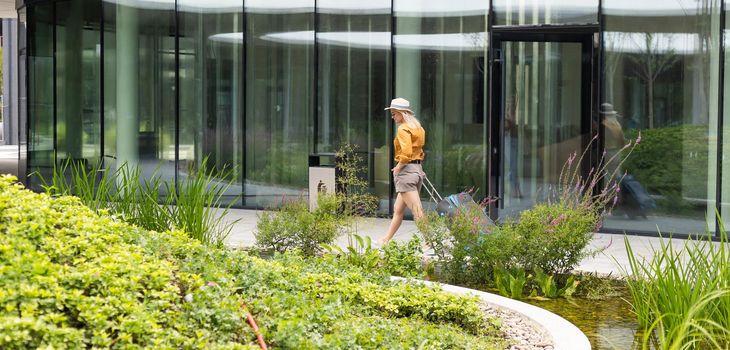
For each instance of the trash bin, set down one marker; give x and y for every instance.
(322, 176)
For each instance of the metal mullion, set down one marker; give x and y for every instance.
(391, 155)
(101, 83)
(720, 120)
(242, 96)
(176, 13)
(55, 95)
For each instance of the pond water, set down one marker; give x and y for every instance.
(608, 323)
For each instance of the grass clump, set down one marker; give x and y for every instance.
(682, 297)
(193, 205)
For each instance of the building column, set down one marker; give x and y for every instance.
(127, 76)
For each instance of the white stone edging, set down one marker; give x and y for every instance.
(565, 335)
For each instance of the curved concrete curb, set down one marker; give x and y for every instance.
(565, 335)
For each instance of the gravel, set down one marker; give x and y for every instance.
(520, 333)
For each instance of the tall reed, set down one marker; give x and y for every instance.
(198, 203)
(682, 297)
(194, 206)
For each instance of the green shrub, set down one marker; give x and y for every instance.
(403, 259)
(293, 226)
(552, 237)
(70, 278)
(359, 253)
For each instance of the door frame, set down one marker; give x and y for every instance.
(589, 37)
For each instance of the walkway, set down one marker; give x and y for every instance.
(607, 262)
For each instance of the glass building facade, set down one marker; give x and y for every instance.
(507, 90)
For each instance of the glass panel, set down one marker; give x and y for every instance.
(440, 68)
(542, 119)
(527, 12)
(41, 140)
(211, 85)
(661, 63)
(354, 85)
(78, 81)
(139, 85)
(279, 98)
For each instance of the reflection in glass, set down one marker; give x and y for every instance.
(659, 79)
(510, 12)
(440, 69)
(542, 119)
(279, 98)
(139, 86)
(354, 86)
(41, 142)
(211, 86)
(78, 90)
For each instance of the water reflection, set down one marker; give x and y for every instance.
(609, 324)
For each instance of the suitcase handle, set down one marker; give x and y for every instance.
(431, 189)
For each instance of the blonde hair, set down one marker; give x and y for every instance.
(410, 119)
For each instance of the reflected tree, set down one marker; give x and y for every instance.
(655, 56)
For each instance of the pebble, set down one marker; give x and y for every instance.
(520, 333)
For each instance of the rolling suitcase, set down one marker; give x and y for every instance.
(449, 206)
(636, 199)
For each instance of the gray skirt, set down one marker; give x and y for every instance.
(410, 178)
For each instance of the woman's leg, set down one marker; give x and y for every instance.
(399, 208)
(413, 202)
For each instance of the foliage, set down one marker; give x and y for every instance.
(198, 203)
(553, 237)
(683, 301)
(71, 278)
(510, 283)
(352, 184)
(195, 206)
(548, 286)
(294, 226)
(361, 254)
(403, 259)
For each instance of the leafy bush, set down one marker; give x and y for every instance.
(359, 253)
(70, 278)
(293, 226)
(552, 237)
(403, 259)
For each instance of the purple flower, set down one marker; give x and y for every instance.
(212, 284)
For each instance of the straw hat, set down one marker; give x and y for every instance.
(400, 104)
(607, 110)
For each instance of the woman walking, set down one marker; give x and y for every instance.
(408, 174)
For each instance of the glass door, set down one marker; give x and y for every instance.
(542, 93)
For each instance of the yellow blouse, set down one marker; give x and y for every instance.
(409, 144)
